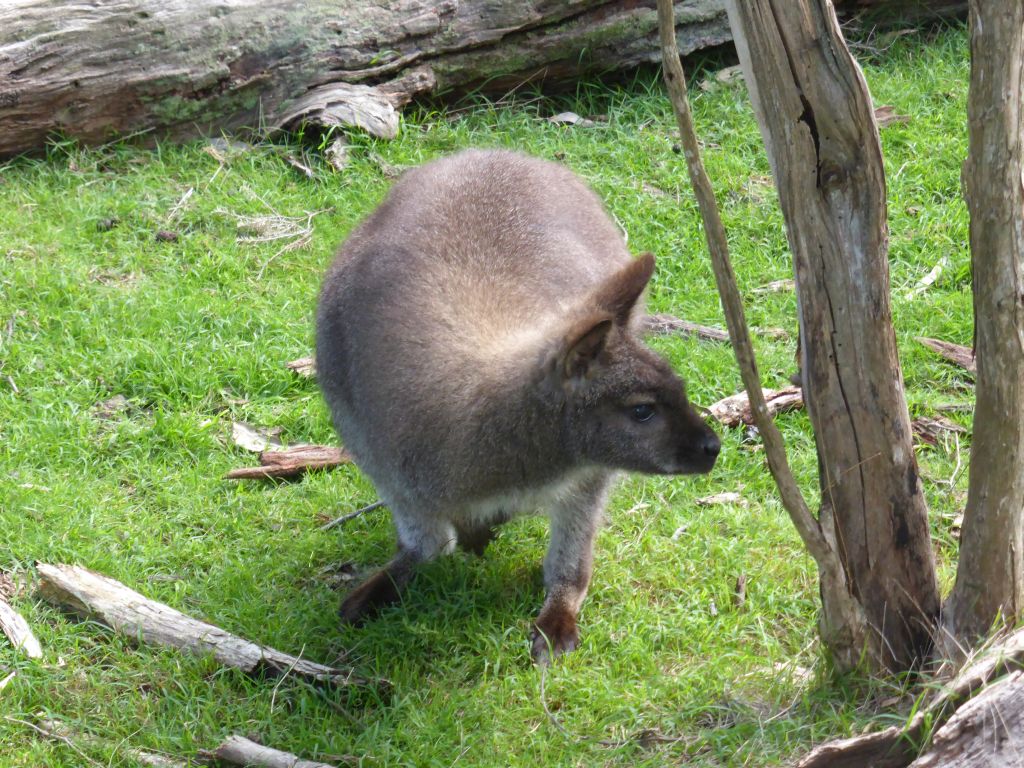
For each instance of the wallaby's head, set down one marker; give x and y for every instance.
(624, 407)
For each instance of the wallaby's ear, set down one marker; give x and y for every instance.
(620, 292)
(583, 343)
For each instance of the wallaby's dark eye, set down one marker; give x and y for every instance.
(642, 412)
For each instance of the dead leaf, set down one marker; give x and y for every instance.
(111, 408)
(570, 118)
(388, 170)
(739, 591)
(303, 366)
(928, 280)
(727, 497)
(886, 115)
(166, 236)
(712, 608)
(255, 439)
(725, 76)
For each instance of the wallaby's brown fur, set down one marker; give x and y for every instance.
(477, 344)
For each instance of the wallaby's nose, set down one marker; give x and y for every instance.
(712, 445)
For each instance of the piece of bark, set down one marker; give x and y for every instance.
(95, 596)
(238, 750)
(986, 731)
(929, 429)
(893, 747)
(954, 353)
(18, 631)
(665, 324)
(303, 366)
(735, 410)
(877, 750)
(292, 462)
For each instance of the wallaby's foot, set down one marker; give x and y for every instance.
(476, 538)
(368, 598)
(554, 633)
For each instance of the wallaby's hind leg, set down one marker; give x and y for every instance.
(567, 568)
(416, 544)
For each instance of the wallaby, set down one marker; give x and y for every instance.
(477, 343)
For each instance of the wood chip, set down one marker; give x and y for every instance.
(238, 750)
(735, 410)
(954, 353)
(665, 324)
(338, 153)
(929, 429)
(303, 366)
(18, 631)
(292, 462)
(100, 598)
(255, 439)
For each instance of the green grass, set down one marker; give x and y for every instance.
(195, 334)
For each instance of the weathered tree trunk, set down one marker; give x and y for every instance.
(184, 67)
(817, 121)
(990, 576)
(90, 70)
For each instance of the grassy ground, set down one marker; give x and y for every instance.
(194, 333)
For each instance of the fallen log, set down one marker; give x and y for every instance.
(239, 750)
(735, 409)
(95, 596)
(18, 631)
(292, 462)
(183, 68)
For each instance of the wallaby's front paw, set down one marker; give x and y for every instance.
(368, 598)
(554, 633)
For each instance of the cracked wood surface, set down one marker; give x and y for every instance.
(990, 575)
(184, 68)
(817, 121)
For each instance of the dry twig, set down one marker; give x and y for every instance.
(110, 602)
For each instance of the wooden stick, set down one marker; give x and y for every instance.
(96, 596)
(292, 462)
(735, 409)
(238, 750)
(18, 632)
(665, 324)
(352, 515)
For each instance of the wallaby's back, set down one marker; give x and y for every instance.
(433, 301)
